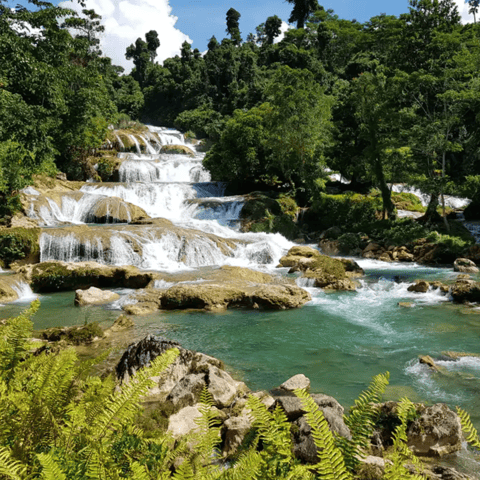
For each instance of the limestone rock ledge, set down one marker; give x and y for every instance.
(56, 276)
(329, 273)
(228, 287)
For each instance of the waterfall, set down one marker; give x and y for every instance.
(171, 186)
(137, 145)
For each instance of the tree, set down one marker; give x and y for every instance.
(153, 43)
(143, 54)
(302, 10)
(272, 29)
(233, 27)
(474, 5)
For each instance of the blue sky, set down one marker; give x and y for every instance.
(201, 18)
(196, 21)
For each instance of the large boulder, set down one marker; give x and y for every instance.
(465, 265)
(54, 276)
(182, 383)
(94, 296)
(465, 290)
(227, 287)
(436, 433)
(184, 422)
(304, 445)
(420, 286)
(115, 210)
(326, 272)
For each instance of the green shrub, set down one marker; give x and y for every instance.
(349, 241)
(403, 232)
(352, 211)
(18, 243)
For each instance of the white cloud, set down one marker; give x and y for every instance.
(463, 11)
(126, 20)
(283, 28)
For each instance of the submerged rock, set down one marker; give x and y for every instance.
(94, 296)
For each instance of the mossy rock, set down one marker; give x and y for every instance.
(60, 276)
(74, 335)
(177, 149)
(108, 166)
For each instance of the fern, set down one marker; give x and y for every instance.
(331, 465)
(50, 468)
(469, 430)
(361, 421)
(9, 467)
(401, 454)
(15, 340)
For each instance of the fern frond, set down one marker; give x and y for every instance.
(50, 468)
(331, 464)
(471, 434)
(121, 406)
(401, 454)
(361, 421)
(139, 472)
(15, 340)
(9, 467)
(246, 467)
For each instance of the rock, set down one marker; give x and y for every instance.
(122, 323)
(385, 257)
(406, 304)
(304, 445)
(465, 265)
(372, 467)
(94, 296)
(182, 382)
(10, 287)
(326, 271)
(420, 286)
(442, 472)
(235, 430)
(330, 247)
(115, 210)
(428, 360)
(352, 268)
(177, 149)
(299, 381)
(55, 276)
(465, 290)
(141, 308)
(436, 433)
(404, 256)
(222, 386)
(183, 422)
(74, 335)
(187, 391)
(371, 247)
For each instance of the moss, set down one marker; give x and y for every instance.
(107, 166)
(74, 335)
(329, 266)
(408, 201)
(177, 149)
(18, 243)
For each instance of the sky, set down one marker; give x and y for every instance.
(196, 21)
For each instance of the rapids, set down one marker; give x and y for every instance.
(339, 340)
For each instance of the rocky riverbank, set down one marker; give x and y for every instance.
(433, 432)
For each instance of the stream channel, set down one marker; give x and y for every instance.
(339, 340)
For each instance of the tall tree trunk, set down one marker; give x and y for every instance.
(386, 193)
